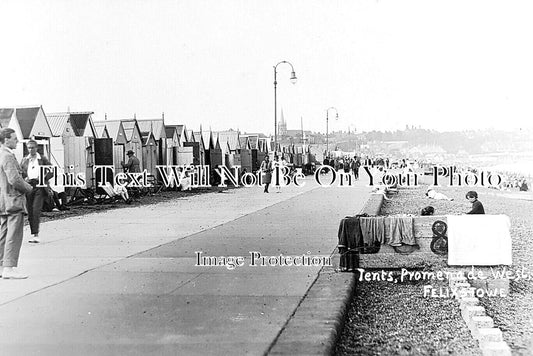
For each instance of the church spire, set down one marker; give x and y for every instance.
(282, 125)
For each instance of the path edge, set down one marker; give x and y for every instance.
(319, 318)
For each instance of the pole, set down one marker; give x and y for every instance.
(327, 127)
(327, 135)
(275, 113)
(293, 80)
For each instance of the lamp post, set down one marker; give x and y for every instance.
(293, 81)
(327, 126)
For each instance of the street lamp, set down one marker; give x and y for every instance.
(293, 81)
(327, 126)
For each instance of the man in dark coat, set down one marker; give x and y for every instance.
(133, 165)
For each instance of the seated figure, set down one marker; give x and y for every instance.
(432, 194)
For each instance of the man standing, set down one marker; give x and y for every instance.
(12, 205)
(133, 165)
(31, 170)
(356, 165)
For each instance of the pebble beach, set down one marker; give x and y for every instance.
(396, 319)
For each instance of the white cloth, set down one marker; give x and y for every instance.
(120, 189)
(185, 183)
(479, 240)
(33, 166)
(437, 196)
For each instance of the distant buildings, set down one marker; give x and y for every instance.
(286, 136)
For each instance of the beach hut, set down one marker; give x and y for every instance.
(71, 146)
(298, 156)
(28, 123)
(253, 143)
(150, 153)
(172, 139)
(216, 158)
(214, 152)
(134, 138)
(183, 135)
(101, 129)
(206, 144)
(83, 124)
(178, 145)
(190, 136)
(263, 148)
(157, 127)
(230, 145)
(60, 127)
(196, 144)
(188, 149)
(118, 135)
(245, 153)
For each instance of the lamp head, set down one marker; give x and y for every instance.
(293, 77)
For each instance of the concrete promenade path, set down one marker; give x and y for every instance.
(125, 281)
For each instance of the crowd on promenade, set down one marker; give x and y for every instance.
(352, 164)
(510, 181)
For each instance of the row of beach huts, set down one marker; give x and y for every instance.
(75, 142)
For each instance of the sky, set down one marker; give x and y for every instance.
(443, 65)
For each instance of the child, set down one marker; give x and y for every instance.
(477, 207)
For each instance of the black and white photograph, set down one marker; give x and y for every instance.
(266, 177)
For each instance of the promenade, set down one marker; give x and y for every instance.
(125, 281)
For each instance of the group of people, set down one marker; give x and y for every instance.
(510, 181)
(269, 170)
(21, 193)
(514, 181)
(347, 164)
(352, 164)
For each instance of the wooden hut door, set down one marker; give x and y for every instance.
(118, 157)
(75, 156)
